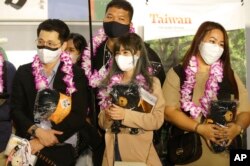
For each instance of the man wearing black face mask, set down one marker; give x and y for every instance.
(117, 22)
(114, 29)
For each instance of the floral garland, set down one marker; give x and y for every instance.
(42, 82)
(1, 72)
(104, 93)
(95, 77)
(211, 88)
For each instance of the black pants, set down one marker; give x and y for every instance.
(91, 138)
(60, 155)
(98, 154)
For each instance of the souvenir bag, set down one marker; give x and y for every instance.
(126, 96)
(221, 113)
(18, 151)
(132, 98)
(50, 105)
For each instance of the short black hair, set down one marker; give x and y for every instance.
(122, 4)
(79, 41)
(55, 25)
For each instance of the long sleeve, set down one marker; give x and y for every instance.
(171, 89)
(244, 104)
(22, 92)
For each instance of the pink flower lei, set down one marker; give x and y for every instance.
(1, 72)
(42, 82)
(104, 93)
(211, 88)
(95, 77)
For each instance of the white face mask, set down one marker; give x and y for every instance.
(48, 56)
(210, 53)
(126, 63)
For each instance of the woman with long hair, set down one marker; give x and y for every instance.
(128, 124)
(206, 75)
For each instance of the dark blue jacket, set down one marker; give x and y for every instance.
(5, 122)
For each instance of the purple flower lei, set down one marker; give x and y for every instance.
(211, 88)
(104, 93)
(42, 82)
(95, 77)
(1, 72)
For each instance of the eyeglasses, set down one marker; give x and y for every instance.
(48, 43)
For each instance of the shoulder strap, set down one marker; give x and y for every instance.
(224, 92)
(180, 72)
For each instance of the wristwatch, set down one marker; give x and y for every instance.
(33, 130)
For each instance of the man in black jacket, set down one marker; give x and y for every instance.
(52, 68)
(116, 22)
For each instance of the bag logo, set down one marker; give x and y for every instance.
(179, 151)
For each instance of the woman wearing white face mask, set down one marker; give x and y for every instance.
(124, 117)
(189, 88)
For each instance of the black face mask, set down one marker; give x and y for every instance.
(115, 29)
(49, 48)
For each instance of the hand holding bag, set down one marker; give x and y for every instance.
(51, 105)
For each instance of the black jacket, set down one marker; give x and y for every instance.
(23, 99)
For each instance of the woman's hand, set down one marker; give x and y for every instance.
(211, 132)
(116, 112)
(231, 131)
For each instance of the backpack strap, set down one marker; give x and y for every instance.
(181, 73)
